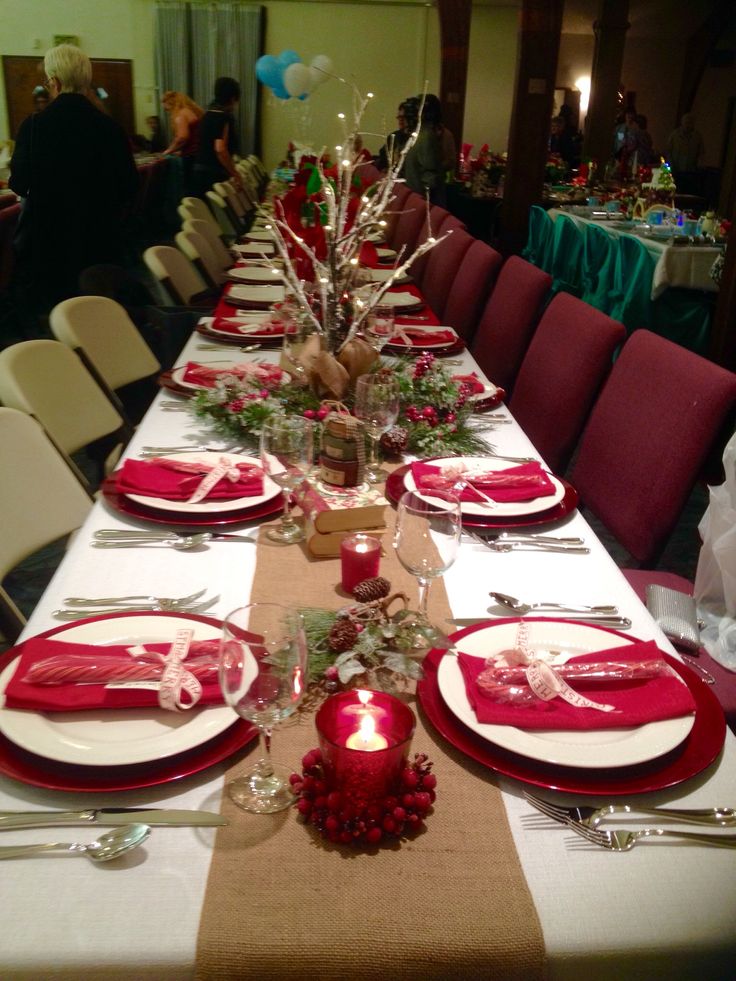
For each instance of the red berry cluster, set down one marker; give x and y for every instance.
(423, 364)
(345, 821)
(318, 414)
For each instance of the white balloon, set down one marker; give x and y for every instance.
(297, 79)
(323, 64)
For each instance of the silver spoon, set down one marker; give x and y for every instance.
(111, 845)
(523, 608)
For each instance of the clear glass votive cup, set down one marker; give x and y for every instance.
(365, 737)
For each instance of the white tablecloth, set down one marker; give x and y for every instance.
(662, 910)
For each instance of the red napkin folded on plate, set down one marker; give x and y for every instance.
(522, 483)
(172, 482)
(418, 338)
(78, 696)
(636, 702)
(474, 383)
(231, 325)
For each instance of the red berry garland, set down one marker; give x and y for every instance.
(345, 821)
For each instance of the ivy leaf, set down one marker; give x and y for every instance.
(344, 658)
(403, 665)
(349, 669)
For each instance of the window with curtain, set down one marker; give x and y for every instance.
(197, 43)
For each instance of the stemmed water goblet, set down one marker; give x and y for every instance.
(427, 538)
(262, 673)
(377, 406)
(379, 327)
(286, 456)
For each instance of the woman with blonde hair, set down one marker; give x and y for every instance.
(185, 115)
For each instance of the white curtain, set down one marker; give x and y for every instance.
(197, 43)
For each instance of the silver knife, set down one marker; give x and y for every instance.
(112, 816)
(620, 623)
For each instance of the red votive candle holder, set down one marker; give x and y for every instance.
(360, 557)
(364, 737)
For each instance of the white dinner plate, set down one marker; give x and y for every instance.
(386, 255)
(590, 750)
(257, 294)
(506, 509)
(401, 301)
(259, 247)
(256, 274)
(116, 737)
(382, 275)
(256, 235)
(270, 489)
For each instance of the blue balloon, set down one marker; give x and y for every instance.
(280, 92)
(288, 57)
(269, 71)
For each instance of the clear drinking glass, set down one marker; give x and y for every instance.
(263, 671)
(427, 538)
(380, 327)
(377, 406)
(286, 456)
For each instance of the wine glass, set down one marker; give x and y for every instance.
(377, 405)
(379, 327)
(263, 671)
(427, 538)
(286, 456)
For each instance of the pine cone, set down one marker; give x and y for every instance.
(372, 589)
(342, 636)
(394, 441)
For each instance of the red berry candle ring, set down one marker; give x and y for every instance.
(358, 787)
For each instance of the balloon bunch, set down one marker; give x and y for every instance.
(288, 77)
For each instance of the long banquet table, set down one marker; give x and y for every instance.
(666, 909)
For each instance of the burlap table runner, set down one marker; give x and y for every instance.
(283, 904)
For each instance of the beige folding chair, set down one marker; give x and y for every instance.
(178, 277)
(220, 211)
(198, 209)
(211, 234)
(239, 214)
(41, 500)
(47, 380)
(197, 250)
(106, 339)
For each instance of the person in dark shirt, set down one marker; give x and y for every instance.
(217, 140)
(74, 169)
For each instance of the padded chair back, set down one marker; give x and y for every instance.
(211, 234)
(567, 256)
(599, 261)
(399, 195)
(509, 320)
(175, 273)
(470, 288)
(630, 298)
(436, 223)
(568, 360)
(46, 379)
(220, 211)
(538, 248)
(198, 209)
(199, 253)
(648, 436)
(43, 502)
(444, 262)
(409, 224)
(111, 342)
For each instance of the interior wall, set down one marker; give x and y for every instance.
(491, 75)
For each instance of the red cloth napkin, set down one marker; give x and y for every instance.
(232, 326)
(501, 485)
(154, 479)
(75, 697)
(636, 702)
(472, 380)
(420, 338)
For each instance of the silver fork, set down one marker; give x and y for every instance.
(86, 611)
(116, 600)
(591, 817)
(624, 841)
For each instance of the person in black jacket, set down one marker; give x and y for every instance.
(74, 169)
(217, 139)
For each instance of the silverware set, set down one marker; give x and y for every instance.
(520, 542)
(585, 822)
(149, 452)
(104, 605)
(113, 538)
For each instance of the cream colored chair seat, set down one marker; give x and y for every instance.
(196, 248)
(178, 276)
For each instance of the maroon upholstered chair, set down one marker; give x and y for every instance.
(470, 288)
(443, 265)
(569, 357)
(400, 194)
(436, 221)
(509, 320)
(647, 439)
(409, 223)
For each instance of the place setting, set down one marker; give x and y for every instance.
(234, 327)
(193, 376)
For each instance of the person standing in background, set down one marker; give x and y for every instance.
(74, 169)
(185, 116)
(685, 147)
(217, 141)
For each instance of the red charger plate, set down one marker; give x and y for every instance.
(415, 349)
(692, 756)
(36, 770)
(214, 519)
(240, 340)
(395, 487)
